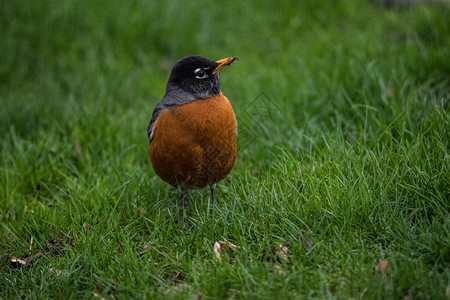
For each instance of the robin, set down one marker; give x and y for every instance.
(193, 129)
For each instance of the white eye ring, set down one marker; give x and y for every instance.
(200, 73)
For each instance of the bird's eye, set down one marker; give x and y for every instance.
(200, 73)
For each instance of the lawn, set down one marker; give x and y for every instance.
(342, 184)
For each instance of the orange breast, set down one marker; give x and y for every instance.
(194, 144)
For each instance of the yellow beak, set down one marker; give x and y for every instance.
(224, 62)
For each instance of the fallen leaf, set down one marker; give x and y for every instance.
(283, 248)
(17, 263)
(283, 252)
(147, 247)
(382, 264)
(149, 244)
(220, 247)
(231, 244)
(54, 246)
(278, 253)
(278, 269)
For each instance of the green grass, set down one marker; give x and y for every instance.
(343, 158)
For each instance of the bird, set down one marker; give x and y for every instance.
(193, 129)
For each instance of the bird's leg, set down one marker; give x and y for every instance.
(213, 190)
(183, 196)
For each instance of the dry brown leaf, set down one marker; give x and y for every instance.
(283, 252)
(231, 244)
(283, 248)
(278, 253)
(54, 247)
(382, 264)
(147, 247)
(220, 247)
(17, 263)
(278, 269)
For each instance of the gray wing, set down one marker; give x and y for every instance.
(173, 96)
(158, 109)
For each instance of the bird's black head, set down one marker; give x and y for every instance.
(197, 76)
